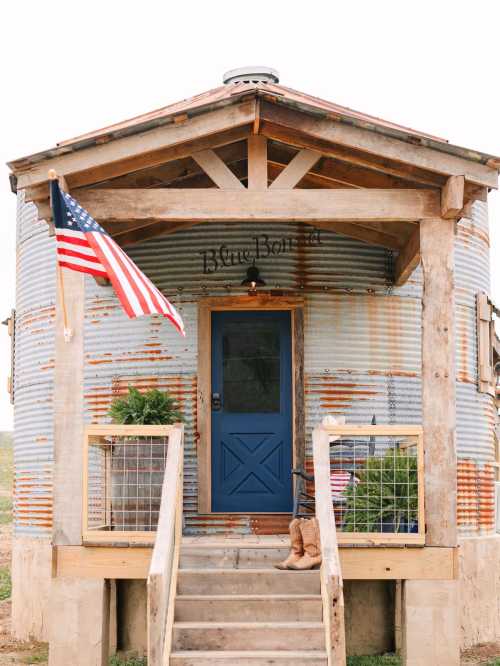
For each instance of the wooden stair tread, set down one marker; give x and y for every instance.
(234, 654)
(248, 625)
(249, 597)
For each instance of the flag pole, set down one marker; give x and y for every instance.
(68, 333)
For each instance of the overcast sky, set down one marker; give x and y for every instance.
(70, 67)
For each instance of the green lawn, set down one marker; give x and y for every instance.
(6, 462)
(5, 584)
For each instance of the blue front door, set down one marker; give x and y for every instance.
(251, 412)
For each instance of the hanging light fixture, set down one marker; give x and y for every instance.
(253, 279)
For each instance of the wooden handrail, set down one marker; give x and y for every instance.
(331, 575)
(162, 577)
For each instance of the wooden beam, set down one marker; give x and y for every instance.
(217, 170)
(202, 205)
(364, 234)
(367, 563)
(408, 259)
(438, 381)
(376, 143)
(452, 197)
(296, 170)
(150, 148)
(257, 162)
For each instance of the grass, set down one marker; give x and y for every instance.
(6, 461)
(5, 584)
(130, 661)
(385, 660)
(39, 657)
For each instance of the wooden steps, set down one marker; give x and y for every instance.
(248, 658)
(233, 607)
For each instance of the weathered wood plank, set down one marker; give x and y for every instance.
(177, 205)
(438, 381)
(68, 406)
(257, 162)
(367, 563)
(164, 558)
(331, 574)
(376, 143)
(452, 197)
(303, 161)
(150, 148)
(408, 259)
(362, 233)
(217, 170)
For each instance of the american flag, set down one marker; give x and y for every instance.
(83, 245)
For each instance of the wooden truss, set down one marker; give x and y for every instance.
(255, 160)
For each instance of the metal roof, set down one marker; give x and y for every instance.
(232, 93)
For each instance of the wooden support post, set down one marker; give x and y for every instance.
(438, 381)
(452, 197)
(257, 162)
(68, 409)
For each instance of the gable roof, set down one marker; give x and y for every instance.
(232, 93)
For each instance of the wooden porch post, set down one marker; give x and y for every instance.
(431, 630)
(79, 617)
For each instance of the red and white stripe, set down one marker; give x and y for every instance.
(339, 481)
(98, 254)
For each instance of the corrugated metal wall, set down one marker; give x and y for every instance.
(362, 342)
(34, 374)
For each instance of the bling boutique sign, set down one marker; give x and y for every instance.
(261, 247)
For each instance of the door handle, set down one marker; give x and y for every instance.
(216, 402)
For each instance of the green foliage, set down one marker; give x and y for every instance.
(384, 660)
(6, 461)
(115, 660)
(41, 656)
(387, 492)
(151, 408)
(5, 584)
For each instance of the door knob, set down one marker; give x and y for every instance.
(216, 402)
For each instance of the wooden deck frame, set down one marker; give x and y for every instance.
(367, 563)
(262, 302)
(95, 536)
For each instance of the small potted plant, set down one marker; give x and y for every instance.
(150, 408)
(385, 497)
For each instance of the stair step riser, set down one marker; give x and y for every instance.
(282, 660)
(231, 558)
(248, 610)
(257, 638)
(242, 582)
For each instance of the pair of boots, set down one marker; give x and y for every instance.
(306, 547)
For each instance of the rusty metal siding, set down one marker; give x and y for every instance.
(362, 354)
(34, 374)
(475, 411)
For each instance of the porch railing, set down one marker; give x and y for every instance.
(331, 575)
(162, 577)
(123, 475)
(376, 483)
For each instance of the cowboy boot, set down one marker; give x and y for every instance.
(312, 546)
(297, 548)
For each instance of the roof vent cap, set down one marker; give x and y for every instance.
(254, 74)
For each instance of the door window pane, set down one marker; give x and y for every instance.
(251, 366)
